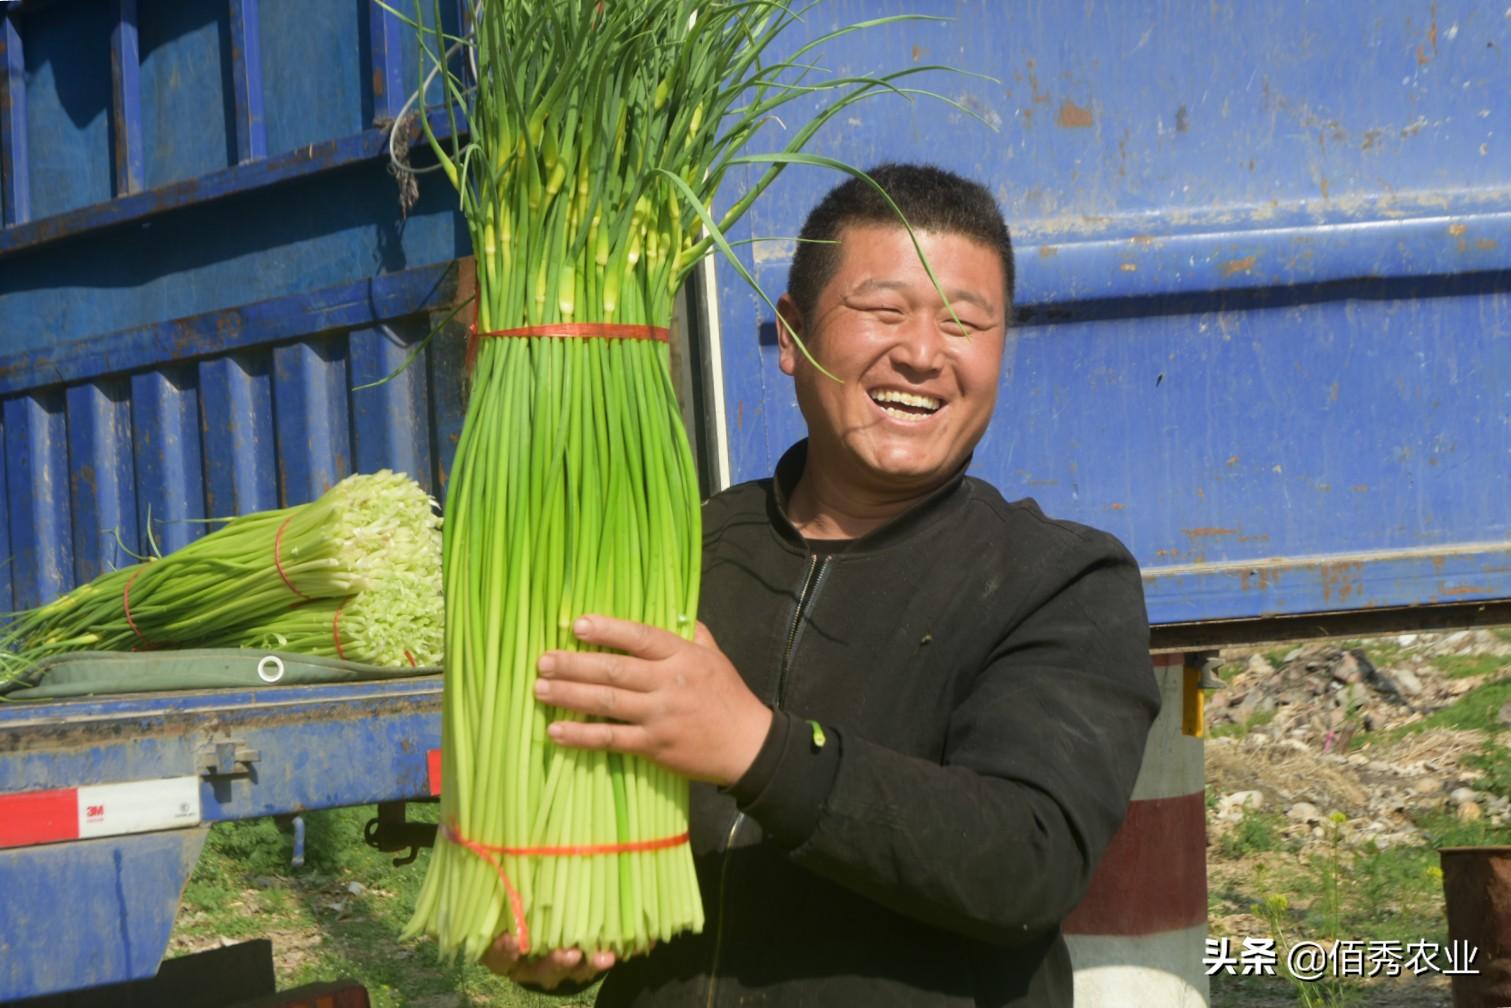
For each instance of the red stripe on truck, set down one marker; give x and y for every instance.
(1153, 877)
(433, 767)
(36, 817)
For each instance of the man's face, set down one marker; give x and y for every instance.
(915, 393)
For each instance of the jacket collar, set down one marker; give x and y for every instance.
(926, 513)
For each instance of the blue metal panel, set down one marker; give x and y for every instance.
(241, 475)
(158, 441)
(314, 80)
(101, 476)
(388, 40)
(304, 737)
(1264, 281)
(170, 492)
(124, 891)
(115, 897)
(389, 422)
(346, 305)
(126, 102)
(334, 230)
(36, 469)
(67, 61)
(246, 81)
(15, 175)
(1445, 235)
(187, 114)
(309, 400)
(315, 159)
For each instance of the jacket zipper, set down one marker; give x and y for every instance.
(816, 568)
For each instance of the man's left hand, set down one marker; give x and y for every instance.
(676, 702)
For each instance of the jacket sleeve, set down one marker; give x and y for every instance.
(998, 841)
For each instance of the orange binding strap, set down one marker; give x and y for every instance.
(278, 559)
(566, 330)
(495, 855)
(126, 605)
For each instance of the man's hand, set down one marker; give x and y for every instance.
(678, 703)
(548, 971)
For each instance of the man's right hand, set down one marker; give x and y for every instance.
(548, 971)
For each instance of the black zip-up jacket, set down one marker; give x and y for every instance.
(981, 683)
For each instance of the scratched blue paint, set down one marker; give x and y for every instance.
(67, 60)
(1447, 236)
(346, 305)
(286, 240)
(165, 437)
(126, 102)
(1264, 280)
(101, 474)
(241, 473)
(122, 896)
(186, 112)
(15, 174)
(304, 736)
(310, 385)
(389, 423)
(388, 42)
(246, 81)
(36, 466)
(313, 78)
(328, 155)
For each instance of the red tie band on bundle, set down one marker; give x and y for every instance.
(336, 629)
(565, 330)
(146, 645)
(495, 856)
(278, 559)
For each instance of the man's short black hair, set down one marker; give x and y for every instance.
(931, 199)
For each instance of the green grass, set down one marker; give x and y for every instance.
(1464, 666)
(1256, 832)
(1476, 710)
(1239, 728)
(1494, 761)
(244, 887)
(1365, 892)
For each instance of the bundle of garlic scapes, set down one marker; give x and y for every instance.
(596, 135)
(366, 532)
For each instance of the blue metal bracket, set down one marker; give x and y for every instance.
(227, 758)
(36, 459)
(101, 476)
(126, 102)
(246, 82)
(385, 32)
(165, 435)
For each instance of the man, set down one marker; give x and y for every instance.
(920, 709)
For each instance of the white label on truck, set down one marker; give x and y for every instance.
(138, 806)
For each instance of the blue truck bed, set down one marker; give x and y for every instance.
(99, 909)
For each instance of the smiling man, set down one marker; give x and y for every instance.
(916, 711)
